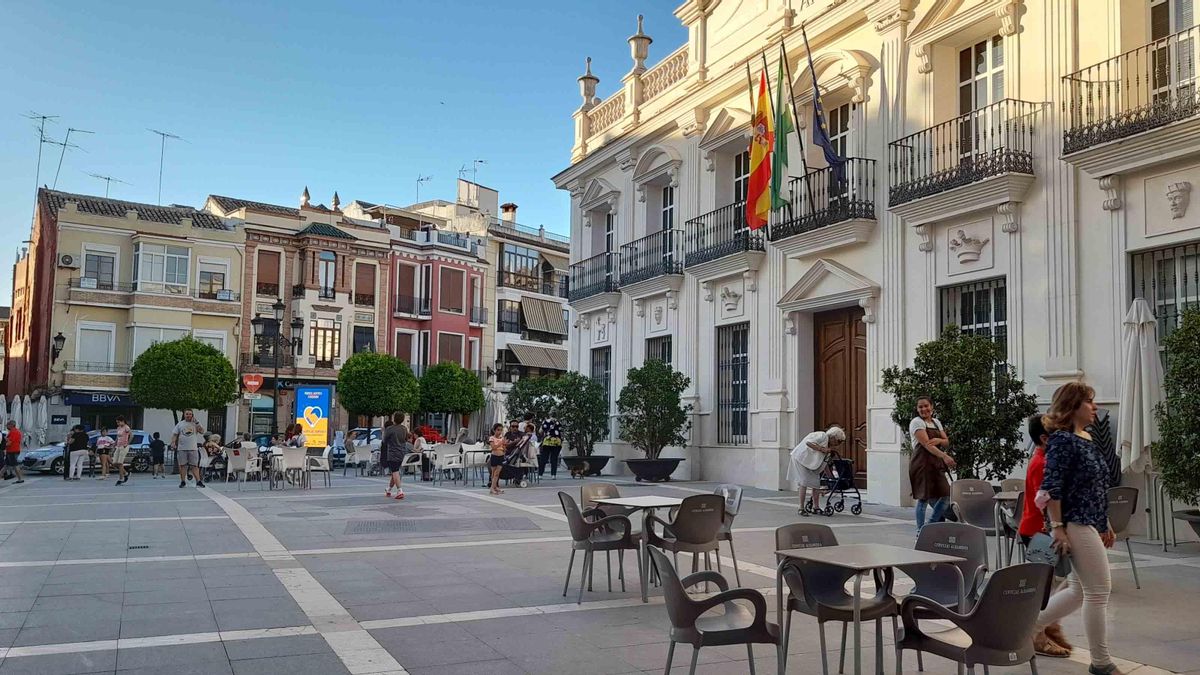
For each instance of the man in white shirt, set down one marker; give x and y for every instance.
(186, 438)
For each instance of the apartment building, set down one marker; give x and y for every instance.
(1019, 168)
(108, 278)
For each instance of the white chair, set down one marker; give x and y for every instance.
(288, 461)
(450, 463)
(318, 464)
(411, 461)
(475, 459)
(241, 465)
(360, 457)
(206, 461)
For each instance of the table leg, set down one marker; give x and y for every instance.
(779, 649)
(996, 524)
(858, 623)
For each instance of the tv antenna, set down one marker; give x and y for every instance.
(41, 129)
(421, 179)
(108, 181)
(64, 145)
(67, 144)
(474, 175)
(161, 154)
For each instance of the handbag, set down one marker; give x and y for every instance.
(1041, 550)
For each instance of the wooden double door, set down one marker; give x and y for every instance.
(840, 392)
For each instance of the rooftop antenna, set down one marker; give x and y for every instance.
(67, 143)
(162, 153)
(64, 145)
(108, 181)
(421, 179)
(41, 128)
(474, 174)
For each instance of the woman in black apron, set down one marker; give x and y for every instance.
(929, 463)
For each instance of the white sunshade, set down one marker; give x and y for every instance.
(1141, 388)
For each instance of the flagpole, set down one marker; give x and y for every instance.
(750, 90)
(812, 204)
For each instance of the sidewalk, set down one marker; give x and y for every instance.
(151, 578)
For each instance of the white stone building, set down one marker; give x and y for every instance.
(1020, 168)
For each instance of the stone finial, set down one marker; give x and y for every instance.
(304, 198)
(337, 201)
(639, 47)
(587, 84)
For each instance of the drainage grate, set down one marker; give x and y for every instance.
(438, 525)
(138, 548)
(304, 514)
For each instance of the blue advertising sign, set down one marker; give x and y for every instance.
(312, 414)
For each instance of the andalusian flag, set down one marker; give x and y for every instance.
(758, 199)
(783, 127)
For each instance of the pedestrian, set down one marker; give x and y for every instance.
(417, 441)
(806, 460)
(104, 446)
(392, 450)
(1049, 641)
(78, 445)
(186, 439)
(66, 458)
(551, 448)
(121, 452)
(1074, 490)
(12, 452)
(158, 452)
(339, 444)
(929, 463)
(499, 446)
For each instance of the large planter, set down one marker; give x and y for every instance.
(653, 470)
(1191, 517)
(591, 465)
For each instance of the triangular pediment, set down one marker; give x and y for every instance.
(827, 283)
(597, 191)
(729, 122)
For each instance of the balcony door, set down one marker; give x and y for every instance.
(741, 188)
(980, 84)
(838, 120)
(667, 223)
(1173, 61)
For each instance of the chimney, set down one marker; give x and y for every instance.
(508, 212)
(131, 214)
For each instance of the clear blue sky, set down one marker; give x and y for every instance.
(357, 97)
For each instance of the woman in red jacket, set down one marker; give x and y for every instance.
(1050, 641)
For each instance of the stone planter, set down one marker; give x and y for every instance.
(1191, 517)
(591, 465)
(653, 470)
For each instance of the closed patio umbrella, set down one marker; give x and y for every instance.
(1141, 387)
(27, 420)
(3, 411)
(43, 420)
(14, 414)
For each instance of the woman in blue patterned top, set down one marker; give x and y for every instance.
(1076, 484)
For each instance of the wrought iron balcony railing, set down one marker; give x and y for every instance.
(298, 291)
(983, 143)
(222, 294)
(267, 290)
(1142, 89)
(719, 233)
(654, 255)
(266, 359)
(364, 299)
(827, 196)
(105, 367)
(94, 284)
(594, 275)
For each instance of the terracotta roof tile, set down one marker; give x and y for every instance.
(116, 208)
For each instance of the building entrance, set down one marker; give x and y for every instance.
(840, 342)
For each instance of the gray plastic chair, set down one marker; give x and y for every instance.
(590, 492)
(694, 529)
(1122, 501)
(733, 504)
(612, 533)
(691, 624)
(998, 631)
(957, 539)
(819, 591)
(973, 499)
(1011, 521)
(1012, 485)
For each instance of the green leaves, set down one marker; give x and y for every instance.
(976, 395)
(534, 395)
(1177, 453)
(183, 374)
(651, 413)
(376, 384)
(447, 388)
(582, 410)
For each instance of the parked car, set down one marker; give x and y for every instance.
(50, 458)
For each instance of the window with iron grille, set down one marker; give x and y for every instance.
(1169, 280)
(659, 348)
(364, 339)
(977, 308)
(602, 369)
(733, 384)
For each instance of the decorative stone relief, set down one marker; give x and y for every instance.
(750, 281)
(1112, 192)
(1179, 196)
(1011, 213)
(707, 288)
(789, 324)
(601, 331)
(730, 299)
(672, 300)
(1009, 13)
(924, 232)
(967, 247)
(659, 314)
(627, 159)
(709, 161)
(885, 22)
(1168, 200)
(868, 307)
(925, 56)
(639, 308)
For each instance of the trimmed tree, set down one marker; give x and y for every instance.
(1177, 452)
(650, 409)
(976, 395)
(375, 385)
(582, 410)
(448, 388)
(183, 374)
(537, 395)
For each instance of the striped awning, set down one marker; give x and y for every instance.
(543, 315)
(548, 358)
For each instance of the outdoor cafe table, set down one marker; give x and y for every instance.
(647, 503)
(1003, 555)
(860, 558)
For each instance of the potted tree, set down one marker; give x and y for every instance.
(976, 395)
(582, 410)
(448, 388)
(652, 417)
(1177, 453)
(532, 395)
(371, 384)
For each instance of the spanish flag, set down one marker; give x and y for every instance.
(758, 195)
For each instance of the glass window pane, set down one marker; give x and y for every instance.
(997, 51)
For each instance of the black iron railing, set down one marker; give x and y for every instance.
(479, 315)
(594, 275)
(260, 359)
(96, 367)
(827, 196)
(364, 299)
(266, 289)
(653, 255)
(1168, 279)
(222, 294)
(298, 291)
(326, 293)
(405, 304)
(719, 233)
(559, 286)
(93, 284)
(991, 141)
(1142, 89)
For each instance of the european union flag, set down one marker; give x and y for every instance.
(820, 127)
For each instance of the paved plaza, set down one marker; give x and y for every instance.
(150, 578)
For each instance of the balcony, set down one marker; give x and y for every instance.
(827, 208)
(653, 264)
(1112, 106)
(96, 367)
(556, 285)
(592, 279)
(411, 305)
(84, 374)
(364, 299)
(91, 284)
(718, 243)
(974, 161)
(479, 315)
(266, 290)
(298, 291)
(266, 360)
(219, 294)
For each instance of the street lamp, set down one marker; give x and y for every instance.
(271, 343)
(59, 341)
